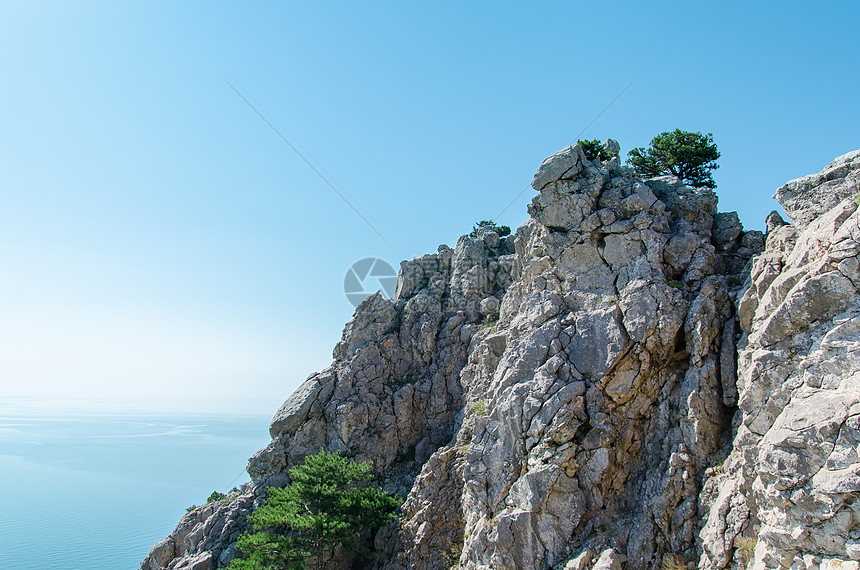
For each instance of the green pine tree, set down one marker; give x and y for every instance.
(328, 503)
(689, 156)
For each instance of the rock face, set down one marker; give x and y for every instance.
(805, 199)
(630, 381)
(205, 537)
(787, 494)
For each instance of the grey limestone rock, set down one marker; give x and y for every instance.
(804, 199)
(611, 146)
(295, 410)
(789, 484)
(608, 560)
(161, 554)
(566, 163)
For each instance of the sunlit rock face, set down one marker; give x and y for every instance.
(786, 495)
(592, 409)
(630, 381)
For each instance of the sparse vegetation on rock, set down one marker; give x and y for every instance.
(479, 408)
(490, 225)
(594, 149)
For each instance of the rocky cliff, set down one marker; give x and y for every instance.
(786, 495)
(631, 381)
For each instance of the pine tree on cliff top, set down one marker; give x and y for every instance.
(689, 156)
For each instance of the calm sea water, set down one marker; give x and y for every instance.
(86, 490)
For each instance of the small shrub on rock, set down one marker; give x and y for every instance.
(479, 408)
(491, 225)
(593, 149)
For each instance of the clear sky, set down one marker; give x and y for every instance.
(160, 244)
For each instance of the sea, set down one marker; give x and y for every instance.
(93, 488)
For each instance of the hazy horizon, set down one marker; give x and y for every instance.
(164, 247)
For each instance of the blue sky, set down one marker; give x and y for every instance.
(162, 245)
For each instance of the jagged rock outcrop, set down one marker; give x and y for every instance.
(565, 397)
(787, 494)
(594, 405)
(391, 396)
(205, 537)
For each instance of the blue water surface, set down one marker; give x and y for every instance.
(95, 490)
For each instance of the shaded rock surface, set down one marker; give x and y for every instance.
(630, 381)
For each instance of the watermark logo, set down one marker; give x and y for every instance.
(367, 276)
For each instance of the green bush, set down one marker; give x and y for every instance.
(479, 408)
(501, 230)
(593, 149)
(216, 496)
(328, 503)
(689, 156)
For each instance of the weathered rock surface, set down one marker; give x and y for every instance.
(565, 397)
(805, 199)
(791, 482)
(601, 383)
(205, 537)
